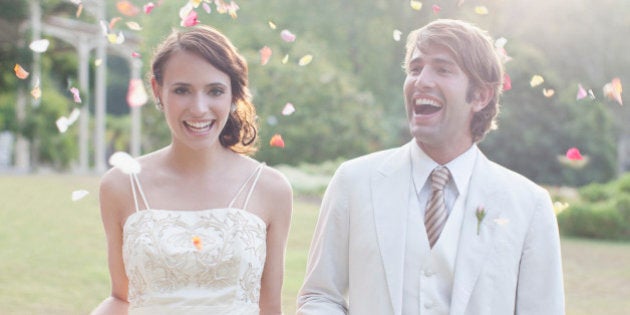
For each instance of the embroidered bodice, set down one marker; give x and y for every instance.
(194, 262)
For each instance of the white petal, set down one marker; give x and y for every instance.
(79, 194)
(125, 163)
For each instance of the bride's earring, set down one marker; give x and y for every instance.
(159, 106)
(233, 108)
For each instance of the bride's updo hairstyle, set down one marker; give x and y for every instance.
(240, 131)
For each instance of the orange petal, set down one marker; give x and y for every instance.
(265, 54)
(127, 8)
(276, 141)
(20, 72)
(196, 240)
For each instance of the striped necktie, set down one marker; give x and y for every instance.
(435, 215)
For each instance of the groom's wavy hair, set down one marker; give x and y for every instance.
(473, 50)
(240, 131)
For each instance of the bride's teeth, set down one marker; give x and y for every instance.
(198, 125)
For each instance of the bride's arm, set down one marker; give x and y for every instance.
(112, 196)
(278, 205)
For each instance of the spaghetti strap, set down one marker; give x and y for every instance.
(135, 185)
(255, 175)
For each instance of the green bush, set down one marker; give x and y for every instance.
(602, 212)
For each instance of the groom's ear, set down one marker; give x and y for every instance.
(481, 96)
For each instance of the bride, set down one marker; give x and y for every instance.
(202, 228)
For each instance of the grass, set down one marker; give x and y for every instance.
(52, 253)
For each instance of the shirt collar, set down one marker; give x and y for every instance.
(461, 167)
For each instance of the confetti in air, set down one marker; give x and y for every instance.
(481, 10)
(125, 163)
(536, 81)
(305, 60)
(612, 90)
(507, 82)
(416, 5)
(147, 8)
(287, 36)
(75, 95)
(20, 72)
(136, 95)
(548, 92)
(127, 8)
(39, 46)
(134, 26)
(573, 158)
(436, 8)
(288, 109)
(397, 35)
(63, 122)
(265, 54)
(276, 141)
(79, 194)
(581, 93)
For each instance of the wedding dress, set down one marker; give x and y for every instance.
(194, 262)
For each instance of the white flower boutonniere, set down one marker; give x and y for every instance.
(480, 214)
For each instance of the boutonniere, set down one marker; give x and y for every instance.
(480, 214)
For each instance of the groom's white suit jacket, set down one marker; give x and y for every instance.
(355, 266)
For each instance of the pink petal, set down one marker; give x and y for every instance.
(190, 20)
(436, 8)
(135, 54)
(581, 92)
(287, 36)
(136, 95)
(507, 82)
(147, 8)
(75, 94)
(573, 154)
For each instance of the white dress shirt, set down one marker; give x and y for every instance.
(428, 273)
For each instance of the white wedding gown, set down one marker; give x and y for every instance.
(194, 262)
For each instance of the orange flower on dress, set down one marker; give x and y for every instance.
(196, 240)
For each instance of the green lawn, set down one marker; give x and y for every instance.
(52, 253)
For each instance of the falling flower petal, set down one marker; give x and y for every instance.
(113, 22)
(136, 95)
(195, 3)
(134, 26)
(79, 10)
(276, 141)
(185, 10)
(285, 59)
(288, 109)
(206, 7)
(560, 206)
(265, 54)
(36, 92)
(436, 8)
(581, 93)
(147, 8)
(196, 240)
(20, 72)
(481, 10)
(612, 90)
(416, 5)
(305, 60)
(62, 124)
(112, 38)
(500, 42)
(127, 8)
(125, 163)
(190, 20)
(39, 46)
(135, 54)
(574, 154)
(74, 115)
(272, 25)
(548, 92)
(104, 27)
(397, 34)
(287, 36)
(98, 62)
(79, 194)
(536, 81)
(591, 94)
(507, 82)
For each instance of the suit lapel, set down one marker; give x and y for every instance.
(473, 249)
(390, 197)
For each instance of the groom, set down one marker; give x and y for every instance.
(434, 227)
